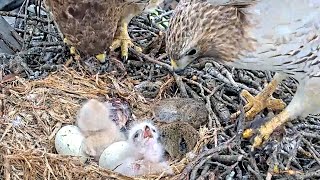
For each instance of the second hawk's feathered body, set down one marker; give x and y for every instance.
(280, 36)
(92, 25)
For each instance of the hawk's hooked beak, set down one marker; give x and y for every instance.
(173, 64)
(178, 66)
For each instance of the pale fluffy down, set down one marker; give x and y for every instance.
(147, 152)
(148, 147)
(96, 125)
(133, 167)
(96, 143)
(94, 116)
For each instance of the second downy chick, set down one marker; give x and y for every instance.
(95, 123)
(147, 152)
(144, 139)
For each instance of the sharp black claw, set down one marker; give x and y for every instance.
(252, 149)
(125, 58)
(257, 122)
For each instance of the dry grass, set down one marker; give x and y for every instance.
(32, 111)
(35, 110)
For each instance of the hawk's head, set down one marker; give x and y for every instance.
(202, 30)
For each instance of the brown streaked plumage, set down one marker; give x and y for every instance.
(221, 41)
(92, 25)
(280, 36)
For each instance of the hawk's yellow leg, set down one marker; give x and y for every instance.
(123, 41)
(258, 103)
(267, 128)
(263, 100)
(73, 51)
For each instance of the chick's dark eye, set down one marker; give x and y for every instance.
(136, 135)
(153, 130)
(192, 52)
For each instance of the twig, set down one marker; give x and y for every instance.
(2, 93)
(293, 153)
(178, 78)
(310, 175)
(192, 164)
(147, 58)
(181, 85)
(35, 18)
(310, 135)
(197, 167)
(258, 176)
(255, 171)
(192, 92)
(314, 153)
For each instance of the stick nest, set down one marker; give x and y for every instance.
(42, 89)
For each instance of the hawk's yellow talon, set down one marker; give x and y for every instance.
(267, 129)
(73, 50)
(101, 57)
(257, 141)
(262, 100)
(276, 169)
(123, 41)
(247, 133)
(137, 48)
(66, 41)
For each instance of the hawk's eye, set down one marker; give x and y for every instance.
(192, 52)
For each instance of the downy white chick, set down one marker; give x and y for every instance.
(95, 123)
(147, 152)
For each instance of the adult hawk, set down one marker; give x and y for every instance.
(281, 36)
(96, 26)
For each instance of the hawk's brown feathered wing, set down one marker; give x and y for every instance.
(89, 25)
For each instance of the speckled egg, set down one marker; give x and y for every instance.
(114, 155)
(68, 141)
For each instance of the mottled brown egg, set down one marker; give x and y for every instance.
(181, 109)
(178, 138)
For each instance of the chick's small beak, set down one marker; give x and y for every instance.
(147, 133)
